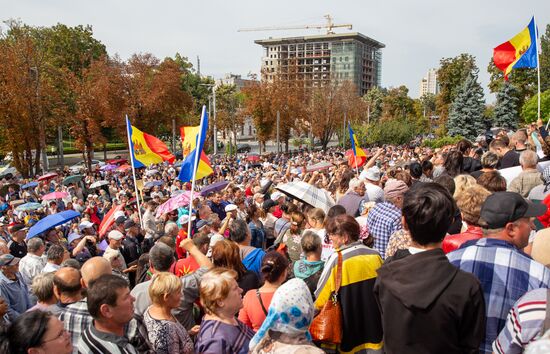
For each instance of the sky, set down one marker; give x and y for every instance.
(417, 34)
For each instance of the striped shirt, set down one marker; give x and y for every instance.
(505, 273)
(76, 318)
(523, 324)
(96, 342)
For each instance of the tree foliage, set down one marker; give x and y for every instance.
(466, 115)
(529, 110)
(374, 100)
(506, 110)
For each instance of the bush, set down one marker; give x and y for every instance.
(443, 141)
(395, 131)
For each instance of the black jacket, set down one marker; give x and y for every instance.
(428, 305)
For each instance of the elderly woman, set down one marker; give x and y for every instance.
(42, 288)
(463, 182)
(35, 332)
(285, 330)
(255, 302)
(469, 202)
(489, 162)
(361, 323)
(165, 333)
(309, 269)
(221, 331)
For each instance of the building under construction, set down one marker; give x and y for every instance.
(318, 59)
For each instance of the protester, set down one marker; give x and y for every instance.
(420, 286)
(221, 331)
(226, 254)
(310, 268)
(33, 263)
(251, 256)
(354, 197)
(12, 287)
(529, 177)
(42, 288)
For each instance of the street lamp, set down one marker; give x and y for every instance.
(215, 131)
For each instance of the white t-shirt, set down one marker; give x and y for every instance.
(327, 247)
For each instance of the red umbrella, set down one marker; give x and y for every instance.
(108, 220)
(47, 176)
(124, 168)
(55, 195)
(355, 161)
(253, 158)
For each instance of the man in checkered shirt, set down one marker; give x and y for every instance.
(385, 218)
(505, 272)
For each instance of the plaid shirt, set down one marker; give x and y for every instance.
(505, 273)
(76, 319)
(383, 220)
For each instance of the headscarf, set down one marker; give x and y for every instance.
(290, 312)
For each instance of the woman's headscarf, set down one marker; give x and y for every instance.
(290, 312)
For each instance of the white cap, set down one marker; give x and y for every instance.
(276, 195)
(118, 214)
(85, 224)
(230, 207)
(115, 235)
(184, 219)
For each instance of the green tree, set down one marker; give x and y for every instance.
(466, 115)
(228, 107)
(451, 75)
(545, 60)
(374, 100)
(397, 103)
(529, 110)
(506, 111)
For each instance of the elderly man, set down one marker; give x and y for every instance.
(67, 287)
(354, 197)
(33, 263)
(529, 177)
(505, 272)
(372, 184)
(55, 256)
(385, 218)
(17, 245)
(12, 287)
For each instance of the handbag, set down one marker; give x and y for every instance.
(326, 327)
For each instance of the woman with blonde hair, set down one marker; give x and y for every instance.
(221, 331)
(293, 236)
(462, 182)
(165, 333)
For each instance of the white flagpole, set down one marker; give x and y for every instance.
(195, 166)
(538, 69)
(133, 169)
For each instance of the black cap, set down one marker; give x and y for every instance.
(501, 208)
(121, 220)
(268, 204)
(129, 223)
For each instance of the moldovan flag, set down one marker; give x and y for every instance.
(357, 151)
(189, 139)
(145, 149)
(518, 52)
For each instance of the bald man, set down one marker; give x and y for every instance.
(67, 286)
(75, 316)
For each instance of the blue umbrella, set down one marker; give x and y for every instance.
(29, 185)
(51, 221)
(29, 206)
(153, 184)
(214, 187)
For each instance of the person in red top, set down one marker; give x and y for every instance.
(189, 265)
(182, 235)
(469, 202)
(278, 198)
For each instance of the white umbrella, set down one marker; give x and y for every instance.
(307, 193)
(98, 184)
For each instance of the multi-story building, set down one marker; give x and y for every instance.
(318, 59)
(429, 83)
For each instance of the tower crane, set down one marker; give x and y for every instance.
(329, 25)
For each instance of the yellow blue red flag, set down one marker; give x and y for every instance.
(146, 149)
(518, 52)
(357, 151)
(192, 139)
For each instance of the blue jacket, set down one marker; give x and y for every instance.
(16, 295)
(257, 235)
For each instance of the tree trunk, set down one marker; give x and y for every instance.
(104, 152)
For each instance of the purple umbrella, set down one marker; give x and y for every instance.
(108, 167)
(214, 187)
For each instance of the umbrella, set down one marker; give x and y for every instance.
(29, 185)
(29, 207)
(151, 172)
(4, 189)
(214, 187)
(52, 221)
(308, 194)
(47, 176)
(99, 184)
(8, 171)
(108, 167)
(72, 179)
(152, 184)
(319, 166)
(108, 220)
(253, 158)
(173, 203)
(17, 202)
(123, 168)
(55, 195)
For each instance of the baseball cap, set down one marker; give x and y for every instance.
(230, 207)
(129, 223)
(118, 214)
(202, 223)
(73, 236)
(268, 203)
(115, 235)
(18, 227)
(501, 208)
(85, 224)
(8, 259)
(276, 195)
(184, 219)
(121, 220)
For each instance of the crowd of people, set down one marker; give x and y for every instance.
(423, 250)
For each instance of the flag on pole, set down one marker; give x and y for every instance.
(192, 146)
(518, 52)
(357, 151)
(146, 149)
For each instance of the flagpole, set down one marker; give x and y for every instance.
(538, 69)
(130, 149)
(195, 166)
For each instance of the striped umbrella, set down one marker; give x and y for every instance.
(308, 194)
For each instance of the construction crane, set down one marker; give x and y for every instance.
(329, 26)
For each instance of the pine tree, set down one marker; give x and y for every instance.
(466, 114)
(506, 110)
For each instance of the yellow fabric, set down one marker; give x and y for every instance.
(358, 150)
(142, 151)
(204, 168)
(521, 42)
(189, 139)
